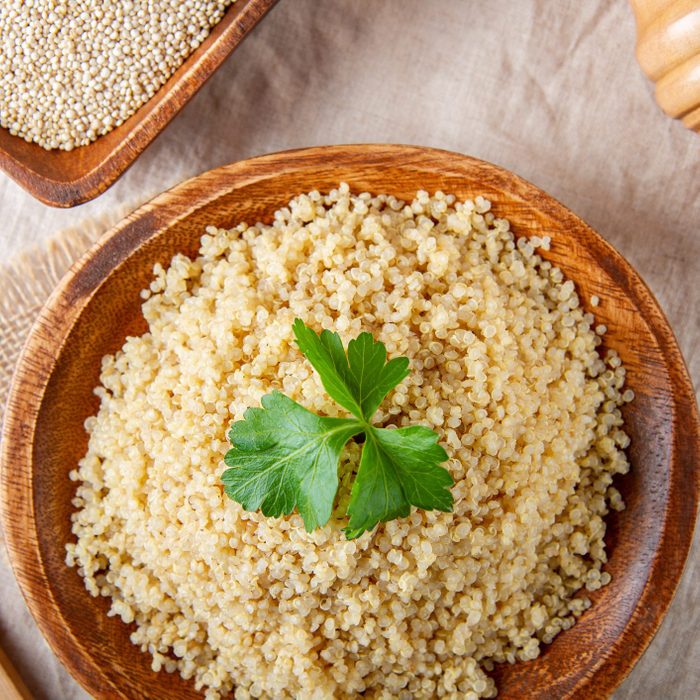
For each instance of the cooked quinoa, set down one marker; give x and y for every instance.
(505, 367)
(73, 70)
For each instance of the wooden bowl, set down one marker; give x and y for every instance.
(66, 178)
(97, 305)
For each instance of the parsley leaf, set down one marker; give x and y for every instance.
(358, 381)
(327, 355)
(284, 456)
(398, 469)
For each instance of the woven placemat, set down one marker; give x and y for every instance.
(25, 284)
(28, 280)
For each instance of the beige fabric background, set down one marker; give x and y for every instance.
(547, 88)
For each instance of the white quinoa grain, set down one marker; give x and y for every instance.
(73, 71)
(423, 606)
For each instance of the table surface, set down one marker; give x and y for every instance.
(550, 90)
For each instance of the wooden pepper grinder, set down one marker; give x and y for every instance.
(668, 50)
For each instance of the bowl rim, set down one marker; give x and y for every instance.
(95, 175)
(31, 377)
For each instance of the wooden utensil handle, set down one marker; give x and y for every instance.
(668, 50)
(11, 684)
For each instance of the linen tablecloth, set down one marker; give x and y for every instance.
(548, 89)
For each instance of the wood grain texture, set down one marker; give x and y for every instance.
(67, 178)
(668, 50)
(97, 305)
(12, 686)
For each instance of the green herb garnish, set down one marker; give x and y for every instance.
(284, 456)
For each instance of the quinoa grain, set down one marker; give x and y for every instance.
(423, 606)
(73, 71)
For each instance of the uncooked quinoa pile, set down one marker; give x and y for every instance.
(73, 70)
(505, 368)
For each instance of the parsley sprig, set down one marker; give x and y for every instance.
(285, 457)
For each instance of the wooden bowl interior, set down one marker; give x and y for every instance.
(66, 178)
(99, 305)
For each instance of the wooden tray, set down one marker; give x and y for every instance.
(67, 178)
(97, 305)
